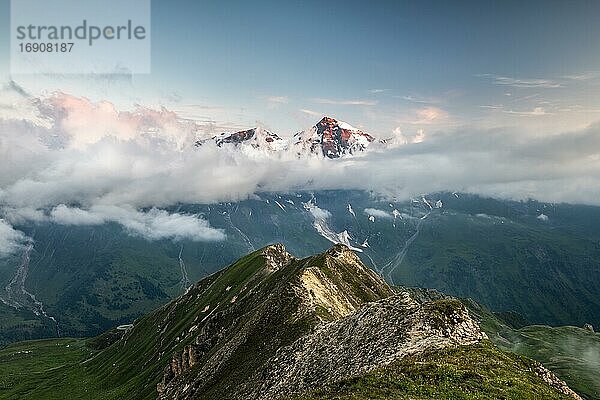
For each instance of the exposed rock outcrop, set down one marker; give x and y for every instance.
(551, 379)
(372, 337)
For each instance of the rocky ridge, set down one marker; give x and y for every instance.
(297, 324)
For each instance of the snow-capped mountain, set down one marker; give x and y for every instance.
(329, 138)
(332, 138)
(258, 139)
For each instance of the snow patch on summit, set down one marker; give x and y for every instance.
(256, 142)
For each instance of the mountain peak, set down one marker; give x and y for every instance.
(313, 324)
(254, 138)
(333, 139)
(333, 121)
(258, 134)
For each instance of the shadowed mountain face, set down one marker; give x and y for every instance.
(272, 326)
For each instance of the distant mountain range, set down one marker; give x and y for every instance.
(329, 138)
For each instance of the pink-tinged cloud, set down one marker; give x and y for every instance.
(85, 122)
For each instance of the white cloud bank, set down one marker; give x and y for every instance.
(63, 150)
(154, 224)
(10, 239)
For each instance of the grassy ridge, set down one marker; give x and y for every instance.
(466, 373)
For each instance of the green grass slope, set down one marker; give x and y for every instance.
(469, 372)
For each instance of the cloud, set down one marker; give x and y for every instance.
(135, 164)
(344, 102)
(400, 138)
(378, 213)
(522, 83)
(492, 107)
(536, 112)
(75, 216)
(154, 224)
(311, 112)
(20, 216)
(210, 118)
(528, 97)
(10, 239)
(583, 76)
(276, 101)
(421, 100)
(16, 88)
(542, 217)
(426, 116)
(376, 91)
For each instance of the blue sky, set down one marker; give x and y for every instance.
(384, 66)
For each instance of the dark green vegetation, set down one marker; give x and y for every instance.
(94, 278)
(496, 252)
(542, 273)
(131, 367)
(469, 372)
(572, 353)
(243, 315)
(23, 324)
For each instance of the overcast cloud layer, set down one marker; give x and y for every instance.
(73, 162)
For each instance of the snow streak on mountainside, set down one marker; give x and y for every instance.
(185, 280)
(320, 217)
